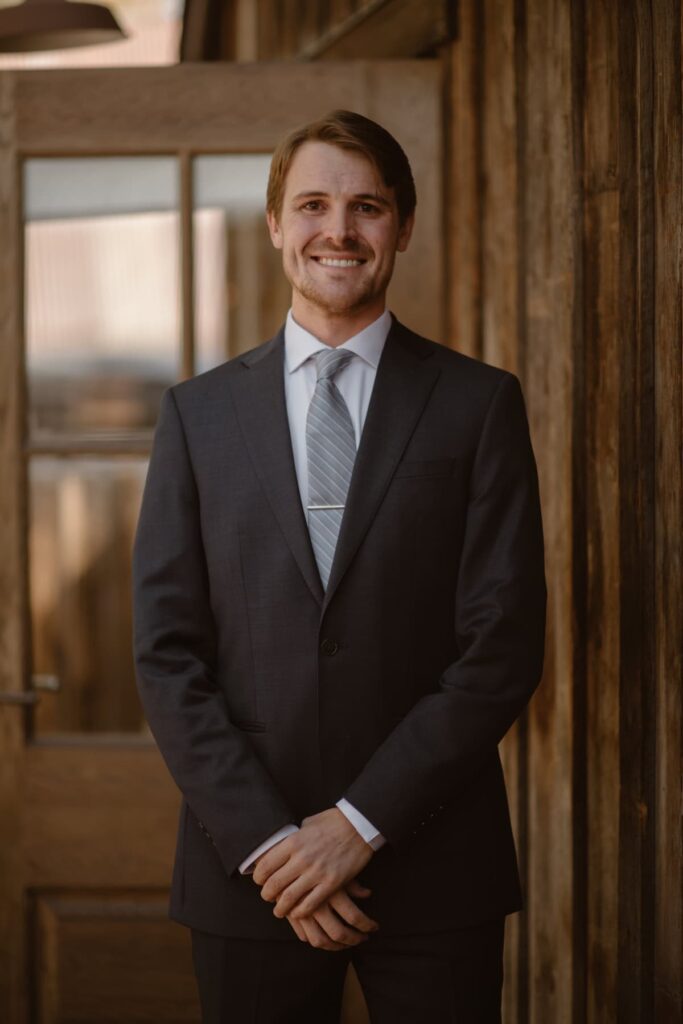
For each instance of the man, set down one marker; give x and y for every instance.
(339, 612)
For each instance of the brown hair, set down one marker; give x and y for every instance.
(352, 131)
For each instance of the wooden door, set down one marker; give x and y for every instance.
(134, 253)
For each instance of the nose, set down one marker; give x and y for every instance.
(339, 228)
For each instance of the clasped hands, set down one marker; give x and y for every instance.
(311, 876)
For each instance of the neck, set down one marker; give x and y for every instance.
(334, 329)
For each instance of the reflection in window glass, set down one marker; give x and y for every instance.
(83, 513)
(241, 294)
(102, 293)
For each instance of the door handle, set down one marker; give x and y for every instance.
(19, 697)
(44, 681)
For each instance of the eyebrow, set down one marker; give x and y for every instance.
(368, 196)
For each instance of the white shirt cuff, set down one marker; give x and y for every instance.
(247, 865)
(361, 824)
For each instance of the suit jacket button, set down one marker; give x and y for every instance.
(329, 646)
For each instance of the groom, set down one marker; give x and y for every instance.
(339, 611)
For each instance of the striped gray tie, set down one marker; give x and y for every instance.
(331, 448)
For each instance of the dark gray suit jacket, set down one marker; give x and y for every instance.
(270, 699)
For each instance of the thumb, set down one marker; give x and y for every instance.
(354, 888)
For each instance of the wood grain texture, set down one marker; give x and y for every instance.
(327, 29)
(552, 256)
(81, 798)
(93, 959)
(463, 194)
(599, 505)
(498, 115)
(378, 29)
(501, 263)
(636, 527)
(152, 110)
(667, 26)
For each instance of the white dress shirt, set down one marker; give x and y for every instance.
(355, 381)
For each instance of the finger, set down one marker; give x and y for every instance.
(270, 861)
(317, 937)
(312, 900)
(290, 897)
(298, 928)
(350, 913)
(280, 880)
(354, 888)
(337, 929)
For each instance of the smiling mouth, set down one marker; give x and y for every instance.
(330, 261)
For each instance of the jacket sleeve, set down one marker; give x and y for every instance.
(500, 608)
(174, 640)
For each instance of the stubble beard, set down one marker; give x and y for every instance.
(347, 304)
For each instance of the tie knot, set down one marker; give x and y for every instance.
(329, 363)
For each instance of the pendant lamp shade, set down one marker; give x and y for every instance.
(55, 25)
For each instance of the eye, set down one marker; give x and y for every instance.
(368, 208)
(312, 204)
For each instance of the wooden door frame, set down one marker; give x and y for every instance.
(183, 110)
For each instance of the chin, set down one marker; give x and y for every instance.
(338, 305)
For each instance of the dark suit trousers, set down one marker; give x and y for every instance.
(447, 977)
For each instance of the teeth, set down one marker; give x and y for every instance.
(328, 262)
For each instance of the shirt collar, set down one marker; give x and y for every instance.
(300, 344)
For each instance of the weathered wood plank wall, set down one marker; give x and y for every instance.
(566, 267)
(564, 263)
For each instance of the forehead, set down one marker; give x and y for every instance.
(323, 167)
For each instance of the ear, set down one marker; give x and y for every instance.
(274, 229)
(405, 232)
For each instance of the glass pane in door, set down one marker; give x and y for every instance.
(102, 294)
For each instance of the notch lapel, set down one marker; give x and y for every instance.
(259, 396)
(404, 381)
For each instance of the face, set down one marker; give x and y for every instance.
(339, 232)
